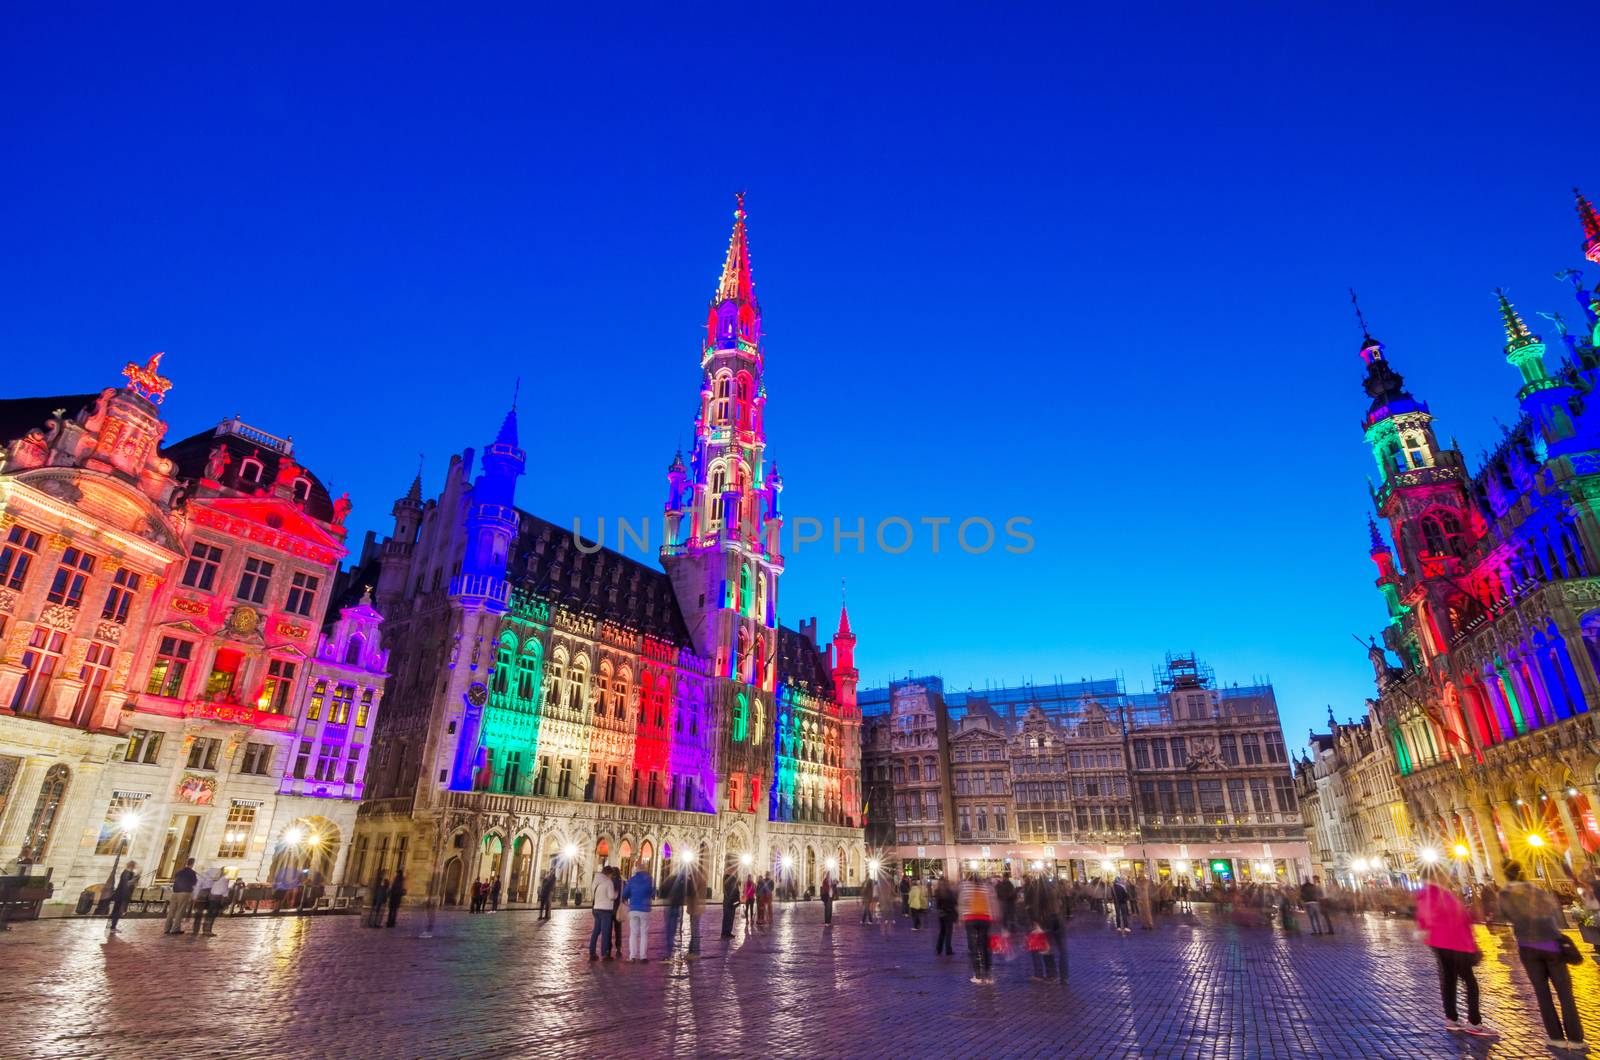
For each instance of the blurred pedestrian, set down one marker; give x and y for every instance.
(917, 903)
(183, 882)
(675, 894)
(397, 894)
(866, 900)
(638, 892)
(378, 900)
(977, 906)
(944, 897)
(1006, 892)
(547, 888)
(730, 901)
(694, 905)
(1120, 899)
(494, 896)
(905, 895)
(603, 905)
(1446, 926)
(218, 898)
(827, 899)
(122, 894)
(1146, 894)
(1535, 920)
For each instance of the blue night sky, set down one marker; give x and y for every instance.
(1087, 269)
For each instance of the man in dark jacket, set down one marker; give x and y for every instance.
(730, 901)
(123, 893)
(676, 893)
(827, 900)
(397, 893)
(182, 894)
(380, 898)
(1006, 891)
(547, 887)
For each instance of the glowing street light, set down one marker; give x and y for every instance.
(1181, 867)
(1429, 856)
(1106, 866)
(313, 840)
(873, 865)
(295, 835)
(1359, 864)
(787, 862)
(833, 864)
(744, 860)
(1460, 850)
(570, 850)
(1535, 840)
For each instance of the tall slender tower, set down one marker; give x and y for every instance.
(721, 546)
(1423, 496)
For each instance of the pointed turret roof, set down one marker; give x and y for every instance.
(844, 623)
(1517, 333)
(1591, 227)
(508, 427)
(736, 282)
(1375, 537)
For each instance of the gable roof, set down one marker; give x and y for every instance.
(799, 659)
(191, 455)
(606, 584)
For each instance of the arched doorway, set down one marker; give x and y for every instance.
(494, 853)
(452, 881)
(645, 853)
(521, 869)
(625, 858)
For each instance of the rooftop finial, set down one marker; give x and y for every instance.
(1517, 333)
(516, 391)
(1374, 536)
(1360, 319)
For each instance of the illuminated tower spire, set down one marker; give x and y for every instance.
(1524, 349)
(723, 525)
(845, 674)
(1388, 582)
(1591, 227)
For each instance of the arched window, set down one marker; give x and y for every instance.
(741, 399)
(602, 688)
(558, 667)
(1416, 450)
(352, 650)
(1441, 533)
(741, 719)
(504, 662)
(529, 673)
(577, 684)
(302, 489)
(250, 470)
(619, 693)
(746, 604)
(760, 724)
(36, 843)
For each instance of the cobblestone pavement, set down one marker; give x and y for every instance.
(509, 985)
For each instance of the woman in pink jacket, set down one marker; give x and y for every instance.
(1446, 926)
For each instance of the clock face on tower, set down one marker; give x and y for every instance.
(477, 695)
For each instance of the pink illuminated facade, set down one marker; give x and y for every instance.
(161, 620)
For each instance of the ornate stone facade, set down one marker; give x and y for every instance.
(557, 705)
(1493, 600)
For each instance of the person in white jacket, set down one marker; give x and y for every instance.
(605, 910)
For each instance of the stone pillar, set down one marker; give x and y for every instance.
(1569, 826)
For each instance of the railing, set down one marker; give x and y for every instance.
(238, 427)
(489, 586)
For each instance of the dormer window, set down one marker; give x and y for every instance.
(251, 470)
(302, 489)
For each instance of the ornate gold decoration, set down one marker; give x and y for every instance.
(147, 381)
(189, 607)
(293, 632)
(244, 620)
